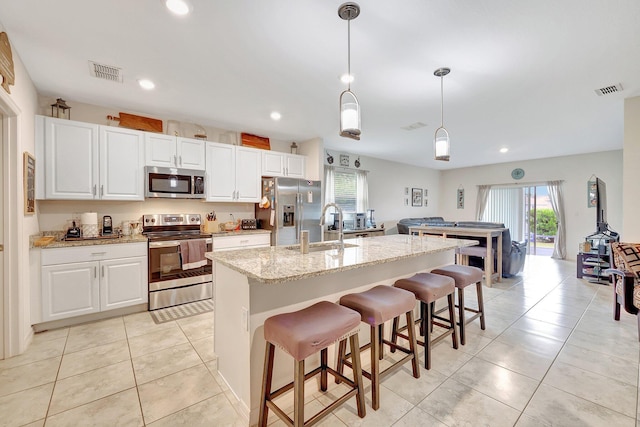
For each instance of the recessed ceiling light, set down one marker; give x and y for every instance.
(146, 84)
(276, 116)
(346, 78)
(179, 7)
(504, 149)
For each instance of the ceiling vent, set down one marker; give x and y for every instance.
(414, 126)
(107, 72)
(609, 89)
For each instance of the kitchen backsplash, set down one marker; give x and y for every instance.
(53, 214)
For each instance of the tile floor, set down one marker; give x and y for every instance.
(551, 355)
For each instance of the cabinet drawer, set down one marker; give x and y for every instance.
(92, 253)
(243, 241)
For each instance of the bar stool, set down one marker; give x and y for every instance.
(301, 334)
(428, 288)
(464, 276)
(376, 306)
(463, 254)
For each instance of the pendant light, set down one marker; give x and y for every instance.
(441, 138)
(349, 106)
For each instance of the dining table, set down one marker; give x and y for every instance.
(488, 233)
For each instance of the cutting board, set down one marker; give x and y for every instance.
(43, 241)
(255, 141)
(132, 121)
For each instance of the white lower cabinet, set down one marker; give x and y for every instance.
(88, 279)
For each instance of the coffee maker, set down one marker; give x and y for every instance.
(360, 221)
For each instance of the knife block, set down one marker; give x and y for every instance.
(211, 226)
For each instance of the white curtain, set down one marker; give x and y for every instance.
(329, 190)
(362, 190)
(481, 201)
(557, 203)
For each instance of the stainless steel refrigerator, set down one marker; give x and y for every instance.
(293, 205)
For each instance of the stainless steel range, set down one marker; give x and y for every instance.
(177, 273)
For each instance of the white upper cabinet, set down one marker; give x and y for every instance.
(174, 152)
(121, 164)
(84, 161)
(233, 173)
(275, 163)
(191, 153)
(160, 150)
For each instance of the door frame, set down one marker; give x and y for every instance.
(10, 342)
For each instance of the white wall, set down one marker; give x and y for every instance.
(575, 171)
(631, 170)
(387, 183)
(23, 95)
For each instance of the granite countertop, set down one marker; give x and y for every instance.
(239, 232)
(58, 242)
(366, 230)
(278, 264)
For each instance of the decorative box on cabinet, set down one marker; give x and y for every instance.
(84, 161)
(174, 152)
(233, 173)
(88, 279)
(275, 163)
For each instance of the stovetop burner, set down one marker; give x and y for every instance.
(171, 226)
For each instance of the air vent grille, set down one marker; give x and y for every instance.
(609, 89)
(416, 125)
(107, 72)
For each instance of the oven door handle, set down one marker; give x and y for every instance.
(174, 243)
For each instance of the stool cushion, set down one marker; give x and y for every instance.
(464, 275)
(307, 331)
(379, 304)
(427, 287)
(474, 251)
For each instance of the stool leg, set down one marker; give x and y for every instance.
(357, 373)
(427, 335)
(461, 314)
(394, 333)
(342, 350)
(452, 320)
(380, 340)
(323, 373)
(480, 304)
(375, 368)
(423, 316)
(266, 384)
(298, 393)
(413, 345)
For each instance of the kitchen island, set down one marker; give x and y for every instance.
(252, 285)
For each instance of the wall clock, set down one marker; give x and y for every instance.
(517, 173)
(344, 160)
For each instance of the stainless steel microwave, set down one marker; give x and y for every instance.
(174, 183)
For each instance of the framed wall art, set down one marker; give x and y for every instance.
(416, 197)
(592, 194)
(460, 198)
(29, 183)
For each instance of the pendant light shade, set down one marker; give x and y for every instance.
(349, 105)
(441, 145)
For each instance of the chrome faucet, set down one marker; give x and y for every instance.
(340, 230)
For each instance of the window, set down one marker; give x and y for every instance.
(345, 191)
(346, 187)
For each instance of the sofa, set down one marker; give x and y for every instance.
(513, 253)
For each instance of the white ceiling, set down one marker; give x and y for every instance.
(523, 73)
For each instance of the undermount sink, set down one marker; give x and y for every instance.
(324, 246)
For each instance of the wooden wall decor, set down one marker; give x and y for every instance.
(255, 141)
(29, 183)
(6, 63)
